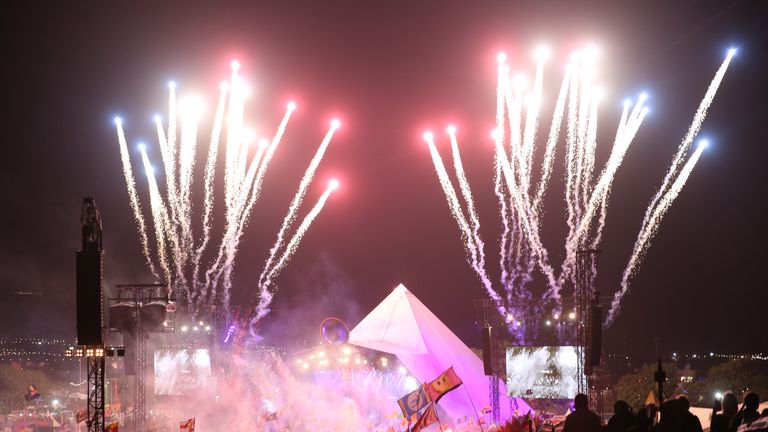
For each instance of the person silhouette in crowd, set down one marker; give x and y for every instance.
(671, 417)
(642, 421)
(748, 412)
(622, 418)
(691, 423)
(721, 422)
(582, 419)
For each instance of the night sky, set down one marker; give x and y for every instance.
(389, 70)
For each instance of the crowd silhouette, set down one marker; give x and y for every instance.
(674, 415)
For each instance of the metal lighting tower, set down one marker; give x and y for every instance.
(90, 321)
(95, 361)
(584, 295)
(137, 311)
(493, 326)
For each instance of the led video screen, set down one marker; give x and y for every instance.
(542, 372)
(180, 372)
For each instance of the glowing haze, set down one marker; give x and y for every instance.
(197, 267)
(520, 183)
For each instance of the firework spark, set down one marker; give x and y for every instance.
(179, 252)
(520, 191)
(649, 230)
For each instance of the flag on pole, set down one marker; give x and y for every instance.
(188, 425)
(446, 382)
(427, 418)
(414, 402)
(112, 427)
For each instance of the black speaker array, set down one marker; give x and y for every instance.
(89, 307)
(487, 350)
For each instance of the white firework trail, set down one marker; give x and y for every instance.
(134, 197)
(599, 193)
(644, 239)
(552, 139)
(237, 214)
(506, 236)
(158, 216)
(514, 250)
(586, 194)
(524, 266)
(532, 115)
(181, 255)
(453, 200)
(693, 130)
(265, 294)
(252, 167)
(234, 136)
(603, 207)
(571, 155)
(293, 208)
(164, 230)
(210, 169)
(456, 210)
(264, 164)
(241, 206)
(590, 147)
(515, 113)
(190, 112)
(539, 252)
(667, 193)
(170, 160)
(466, 193)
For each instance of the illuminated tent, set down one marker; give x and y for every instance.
(401, 325)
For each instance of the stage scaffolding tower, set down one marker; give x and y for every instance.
(584, 295)
(489, 319)
(140, 296)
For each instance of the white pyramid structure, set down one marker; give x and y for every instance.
(401, 325)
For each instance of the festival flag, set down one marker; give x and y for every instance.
(427, 418)
(112, 427)
(81, 415)
(414, 402)
(446, 382)
(188, 425)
